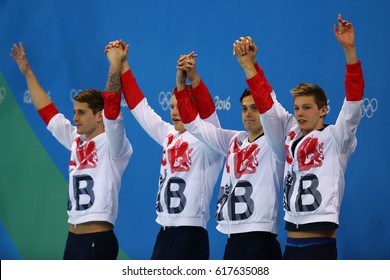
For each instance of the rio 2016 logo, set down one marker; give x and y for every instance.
(27, 97)
(220, 104)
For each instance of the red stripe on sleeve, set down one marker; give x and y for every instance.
(257, 67)
(112, 104)
(48, 112)
(186, 106)
(203, 101)
(260, 90)
(354, 82)
(132, 93)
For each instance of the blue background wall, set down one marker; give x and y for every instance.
(64, 41)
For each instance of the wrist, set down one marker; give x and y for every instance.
(195, 80)
(116, 67)
(350, 55)
(125, 67)
(249, 70)
(28, 72)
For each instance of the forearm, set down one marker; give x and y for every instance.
(113, 81)
(350, 55)
(180, 82)
(185, 104)
(38, 96)
(125, 67)
(260, 90)
(203, 101)
(131, 91)
(249, 69)
(195, 80)
(354, 82)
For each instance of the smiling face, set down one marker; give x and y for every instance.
(307, 114)
(251, 117)
(175, 116)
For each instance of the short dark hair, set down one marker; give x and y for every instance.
(93, 97)
(306, 89)
(245, 94)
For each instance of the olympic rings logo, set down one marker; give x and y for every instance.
(369, 107)
(73, 93)
(164, 99)
(3, 93)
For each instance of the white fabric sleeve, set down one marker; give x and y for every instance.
(213, 119)
(347, 123)
(62, 130)
(218, 139)
(151, 122)
(277, 122)
(116, 134)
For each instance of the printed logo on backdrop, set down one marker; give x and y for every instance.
(73, 93)
(222, 104)
(369, 107)
(27, 97)
(3, 93)
(328, 106)
(123, 103)
(164, 98)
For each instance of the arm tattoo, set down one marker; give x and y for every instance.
(113, 82)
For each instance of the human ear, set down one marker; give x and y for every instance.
(323, 111)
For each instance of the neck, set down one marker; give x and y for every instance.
(94, 134)
(253, 136)
(304, 132)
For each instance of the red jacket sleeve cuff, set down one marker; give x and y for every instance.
(48, 112)
(132, 93)
(354, 82)
(257, 67)
(203, 101)
(112, 104)
(260, 90)
(186, 106)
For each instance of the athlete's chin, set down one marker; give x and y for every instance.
(302, 126)
(179, 127)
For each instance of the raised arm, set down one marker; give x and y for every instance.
(350, 114)
(204, 104)
(112, 93)
(38, 96)
(136, 101)
(62, 130)
(245, 51)
(216, 138)
(345, 34)
(185, 64)
(132, 93)
(185, 102)
(115, 130)
(274, 118)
